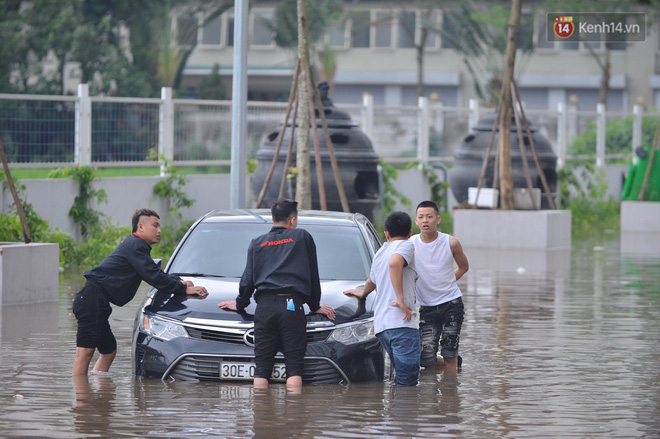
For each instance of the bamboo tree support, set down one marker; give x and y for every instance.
(532, 147)
(317, 145)
(17, 201)
(289, 152)
(521, 144)
(654, 148)
(331, 150)
(484, 167)
(281, 136)
(328, 141)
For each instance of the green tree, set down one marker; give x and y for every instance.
(211, 86)
(479, 33)
(322, 14)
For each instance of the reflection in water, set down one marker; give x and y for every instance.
(14, 319)
(640, 243)
(551, 351)
(93, 408)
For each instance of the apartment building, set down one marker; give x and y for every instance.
(374, 48)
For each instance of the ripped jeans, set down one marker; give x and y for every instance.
(440, 325)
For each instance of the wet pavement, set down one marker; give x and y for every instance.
(555, 344)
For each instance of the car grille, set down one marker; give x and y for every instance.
(207, 368)
(233, 338)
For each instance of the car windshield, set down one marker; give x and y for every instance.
(221, 250)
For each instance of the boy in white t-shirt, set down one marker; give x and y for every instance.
(441, 309)
(393, 274)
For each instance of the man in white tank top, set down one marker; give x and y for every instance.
(441, 305)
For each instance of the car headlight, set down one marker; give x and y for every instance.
(353, 333)
(160, 328)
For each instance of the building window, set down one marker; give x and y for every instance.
(383, 29)
(360, 32)
(212, 31)
(526, 32)
(261, 32)
(230, 31)
(406, 30)
(337, 35)
(430, 20)
(186, 30)
(451, 37)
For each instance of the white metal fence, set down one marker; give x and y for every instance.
(49, 131)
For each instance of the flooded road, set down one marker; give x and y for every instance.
(555, 344)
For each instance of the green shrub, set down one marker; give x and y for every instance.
(583, 191)
(618, 137)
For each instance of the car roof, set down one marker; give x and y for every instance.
(318, 217)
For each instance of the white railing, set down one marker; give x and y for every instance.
(49, 131)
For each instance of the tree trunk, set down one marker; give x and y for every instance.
(303, 178)
(17, 201)
(420, 63)
(506, 182)
(605, 79)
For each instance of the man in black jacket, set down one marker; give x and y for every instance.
(116, 280)
(282, 267)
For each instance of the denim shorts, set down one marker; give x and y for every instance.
(403, 347)
(440, 325)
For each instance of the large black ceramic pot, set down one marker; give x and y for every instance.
(356, 159)
(470, 156)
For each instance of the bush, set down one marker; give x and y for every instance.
(618, 137)
(583, 192)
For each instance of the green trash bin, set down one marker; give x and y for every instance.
(633, 184)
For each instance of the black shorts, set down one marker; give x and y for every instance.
(277, 329)
(92, 309)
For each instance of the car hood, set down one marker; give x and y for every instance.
(194, 308)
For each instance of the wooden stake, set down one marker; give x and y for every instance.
(532, 147)
(484, 167)
(521, 145)
(331, 151)
(276, 157)
(317, 148)
(289, 152)
(17, 201)
(654, 148)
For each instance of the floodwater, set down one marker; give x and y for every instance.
(555, 345)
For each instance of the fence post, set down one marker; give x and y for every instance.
(83, 129)
(474, 114)
(638, 113)
(561, 135)
(572, 123)
(165, 128)
(438, 123)
(600, 135)
(368, 115)
(423, 130)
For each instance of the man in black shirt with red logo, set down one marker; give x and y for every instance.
(116, 280)
(282, 267)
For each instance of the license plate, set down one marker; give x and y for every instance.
(232, 370)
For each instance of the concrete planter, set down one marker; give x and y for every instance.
(640, 216)
(29, 273)
(640, 227)
(513, 229)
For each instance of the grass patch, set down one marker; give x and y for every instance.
(126, 171)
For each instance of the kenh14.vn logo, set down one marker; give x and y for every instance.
(563, 26)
